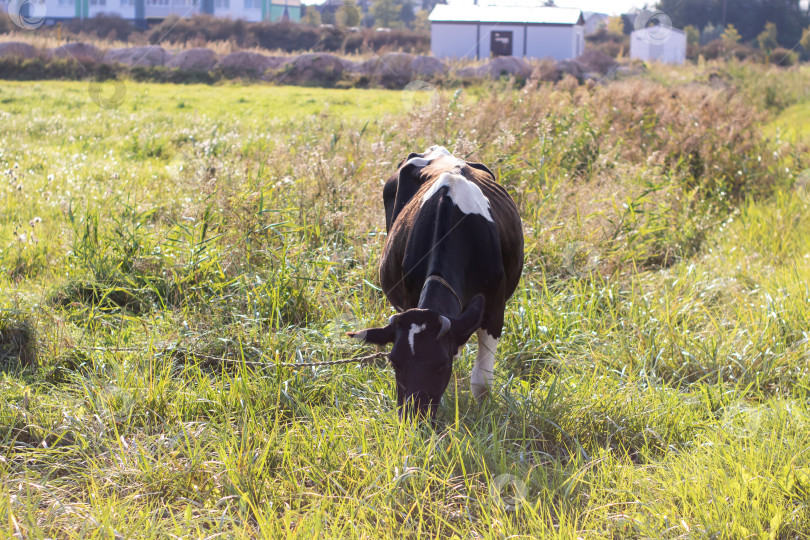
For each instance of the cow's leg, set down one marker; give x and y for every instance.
(484, 371)
(489, 334)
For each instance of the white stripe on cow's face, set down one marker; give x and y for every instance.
(415, 329)
(467, 196)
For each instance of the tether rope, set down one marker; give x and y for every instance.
(174, 350)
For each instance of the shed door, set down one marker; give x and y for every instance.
(501, 43)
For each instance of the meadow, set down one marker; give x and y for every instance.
(166, 251)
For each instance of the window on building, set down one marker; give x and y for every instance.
(98, 2)
(253, 4)
(226, 4)
(65, 2)
(125, 3)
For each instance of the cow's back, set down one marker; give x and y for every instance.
(432, 229)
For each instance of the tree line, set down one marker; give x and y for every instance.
(767, 24)
(395, 14)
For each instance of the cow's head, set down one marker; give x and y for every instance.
(425, 343)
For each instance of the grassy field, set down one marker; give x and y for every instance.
(161, 253)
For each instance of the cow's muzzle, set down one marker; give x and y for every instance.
(419, 404)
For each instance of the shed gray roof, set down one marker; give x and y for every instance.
(505, 14)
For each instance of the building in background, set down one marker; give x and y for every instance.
(251, 10)
(150, 10)
(658, 44)
(473, 31)
(594, 21)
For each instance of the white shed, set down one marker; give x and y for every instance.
(658, 43)
(473, 31)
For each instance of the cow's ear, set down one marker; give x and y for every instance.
(481, 167)
(377, 336)
(410, 156)
(469, 321)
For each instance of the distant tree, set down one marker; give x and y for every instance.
(767, 38)
(406, 15)
(386, 13)
(692, 34)
(420, 21)
(348, 14)
(730, 36)
(697, 13)
(615, 26)
(805, 41)
(748, 16)
(311, 16)
(710, 33)
(790, 17)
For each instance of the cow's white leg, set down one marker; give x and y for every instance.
(483, 372)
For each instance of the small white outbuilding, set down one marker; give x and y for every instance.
(658, 43)
(473, 31)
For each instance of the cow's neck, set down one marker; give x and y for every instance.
(440, 296)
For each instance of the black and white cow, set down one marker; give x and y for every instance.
(453, 256)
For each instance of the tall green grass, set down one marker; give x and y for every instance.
(159, 261)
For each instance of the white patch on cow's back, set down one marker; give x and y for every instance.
(434, 152)
(415, 329)
(465, 194)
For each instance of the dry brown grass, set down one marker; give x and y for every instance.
(17, 341)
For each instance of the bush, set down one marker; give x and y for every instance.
(719, 49)
(32, 69)
(109, 27)
(608, 43)
(6, 26)
(713, 50)
(405, 40)
(202, 28)
(291, 37)
(744, 52)
(285, 36)
(783, 57)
